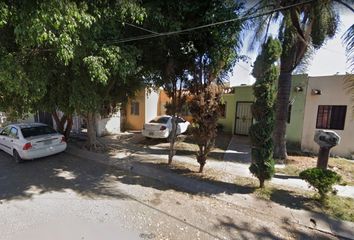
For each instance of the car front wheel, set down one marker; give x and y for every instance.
(17, 157)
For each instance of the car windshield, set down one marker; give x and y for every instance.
(160, 120)
(36, 131)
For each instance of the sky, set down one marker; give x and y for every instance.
(329, 60)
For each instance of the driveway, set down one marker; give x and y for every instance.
(65, 197)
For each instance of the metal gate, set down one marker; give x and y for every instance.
(243, 118)
(44, 117)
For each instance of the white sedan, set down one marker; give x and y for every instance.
(161, 126)
(29, 141)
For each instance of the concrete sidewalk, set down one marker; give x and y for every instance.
(136, 163)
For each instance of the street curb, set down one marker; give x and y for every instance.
(197, 186)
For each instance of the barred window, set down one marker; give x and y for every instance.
(331, 117)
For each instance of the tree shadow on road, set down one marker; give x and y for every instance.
(238, 229)
(292, 199)
(60, 173)
(138, 144)
(92, 179)
(190, 181)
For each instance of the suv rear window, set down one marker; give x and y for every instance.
(160, 120)
(36, 131)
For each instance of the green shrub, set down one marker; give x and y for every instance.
(321, 179)
(266, 73)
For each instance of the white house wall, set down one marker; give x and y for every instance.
(108, 126)
(332, 93)
(151, 104)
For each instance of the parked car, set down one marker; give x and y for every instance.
(29, 141)
(161, 127)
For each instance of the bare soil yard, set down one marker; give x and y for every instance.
(296, 164)
(185, 145)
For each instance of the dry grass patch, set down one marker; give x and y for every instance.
(336, 206)
(340, 207)
(296, 164)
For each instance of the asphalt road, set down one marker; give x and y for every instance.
(64, 197)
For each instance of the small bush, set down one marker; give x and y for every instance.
(321, 179)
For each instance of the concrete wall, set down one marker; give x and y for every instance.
(108, 126)
(298, 100)
(151, 104)
(333, 93)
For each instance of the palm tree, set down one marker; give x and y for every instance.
(348, 38)
(303, 26)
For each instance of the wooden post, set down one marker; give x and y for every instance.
(323, 155)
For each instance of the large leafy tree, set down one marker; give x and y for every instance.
(67, 55)
(173, 61)
(303, 26)
(216, 53)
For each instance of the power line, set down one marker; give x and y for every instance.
(141, 28)
(243, 67)
(147, 36)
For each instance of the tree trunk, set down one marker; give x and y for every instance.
(201, 168)
(64, 124)
(69, 126)
(201, 160)
(91, 131)
(261, 183)
(172, 139)
(282, 106)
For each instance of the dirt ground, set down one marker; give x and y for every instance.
(296, 164)
(274, 193)
(185, 145)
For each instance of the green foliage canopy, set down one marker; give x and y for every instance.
(61, 54)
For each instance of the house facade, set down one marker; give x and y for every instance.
(145, 106)
(329, 106)
(315, 103)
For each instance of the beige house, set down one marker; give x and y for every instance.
(145, 106)
(328, 106)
